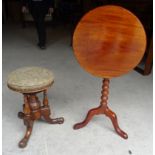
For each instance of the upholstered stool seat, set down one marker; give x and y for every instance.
(29, 81)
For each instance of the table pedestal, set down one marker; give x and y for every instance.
(103, 109)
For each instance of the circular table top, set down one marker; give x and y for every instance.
(109, 41)
(30, 79)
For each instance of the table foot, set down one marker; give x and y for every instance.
(89, 116)
(114, 120)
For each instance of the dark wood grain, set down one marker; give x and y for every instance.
(109, 41)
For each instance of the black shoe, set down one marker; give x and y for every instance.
(41, 46)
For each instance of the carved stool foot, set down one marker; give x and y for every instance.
(45, 111)
(59, 120)
(24, 141)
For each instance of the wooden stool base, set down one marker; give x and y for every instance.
(33, 110)
(103, 109)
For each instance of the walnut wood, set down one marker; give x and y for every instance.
(109, 41)
(103, 109)
(34, 110)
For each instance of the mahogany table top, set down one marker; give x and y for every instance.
(109, 41)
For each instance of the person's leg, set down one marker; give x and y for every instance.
(38, 14)
(34, 12)
(41, 29)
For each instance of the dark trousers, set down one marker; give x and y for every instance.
(39, 12)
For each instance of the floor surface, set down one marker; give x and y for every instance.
(72, 95)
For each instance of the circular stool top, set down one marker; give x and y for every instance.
(30, 79)
(109, 41)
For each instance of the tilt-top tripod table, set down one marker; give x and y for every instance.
(108, 42)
